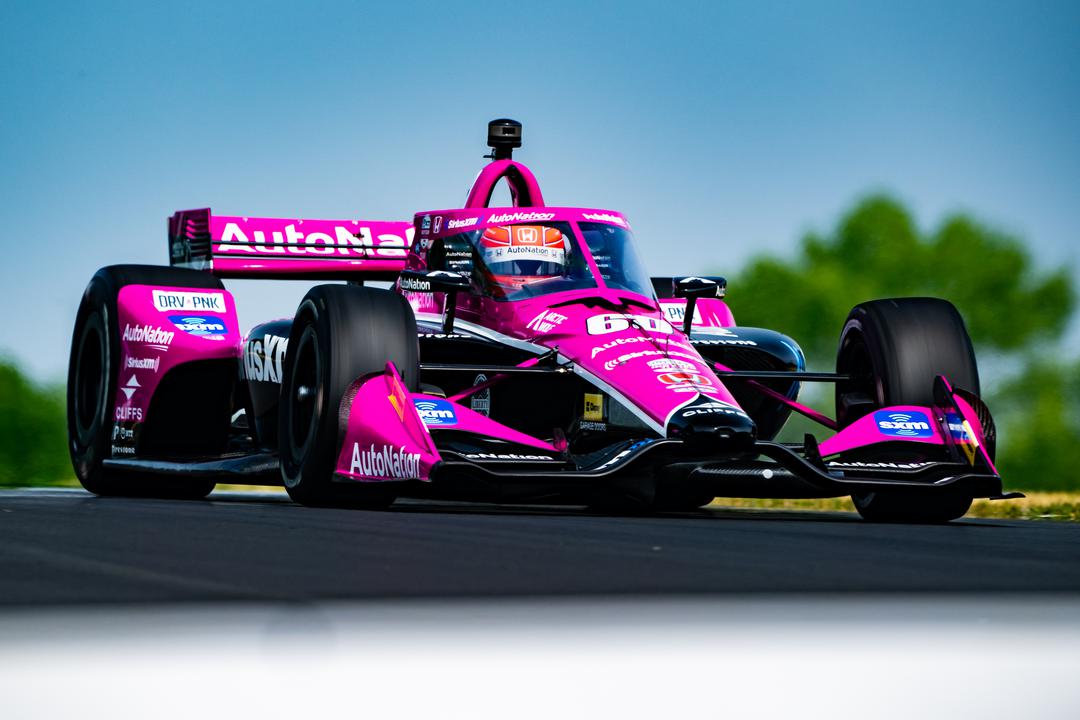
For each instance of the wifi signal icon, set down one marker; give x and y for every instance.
(903, 424)
(436, 412)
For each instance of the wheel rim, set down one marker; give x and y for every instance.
(305, 397)
(855, 361)
(89, 392)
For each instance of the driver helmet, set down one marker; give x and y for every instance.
(518, 255)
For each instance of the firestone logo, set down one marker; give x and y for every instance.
(385, 461)
(519, 217)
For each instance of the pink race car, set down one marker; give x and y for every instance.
(522, 354)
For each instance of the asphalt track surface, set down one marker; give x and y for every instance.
(62, 547)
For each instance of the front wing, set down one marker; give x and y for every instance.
(392, 434)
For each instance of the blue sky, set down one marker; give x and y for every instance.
(722, 129)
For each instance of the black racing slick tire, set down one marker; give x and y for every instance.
(894, 349)
(906, 508)
(93, 371)
(340, 333)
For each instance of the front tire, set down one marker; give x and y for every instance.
(340, 333)
(895, 349)
(93, 369)
(905, 508)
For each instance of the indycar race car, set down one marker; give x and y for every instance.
(521, 354)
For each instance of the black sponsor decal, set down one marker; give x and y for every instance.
(506, 457)
(264, 358)
(480, 402)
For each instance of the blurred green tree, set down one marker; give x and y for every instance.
(33, 434)
(1039, 410)
(876, 251)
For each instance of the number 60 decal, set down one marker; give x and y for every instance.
(614, 322)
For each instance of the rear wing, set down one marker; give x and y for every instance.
(275, 248)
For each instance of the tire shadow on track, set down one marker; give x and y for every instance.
(278, 499)
(454, 508)
(713, 514)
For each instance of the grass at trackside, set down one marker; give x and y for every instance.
(822, 505)
(223, 487)
(1036, 506)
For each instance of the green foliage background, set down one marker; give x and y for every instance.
(33, 436)
(1016, 316)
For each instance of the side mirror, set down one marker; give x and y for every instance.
(454, 254)
(693, 288)
(435, 281)
(696, 287)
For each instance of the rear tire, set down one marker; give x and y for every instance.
(339, 334)
(898, 347)
(93, 369)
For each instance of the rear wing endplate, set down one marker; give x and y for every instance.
(248, 247)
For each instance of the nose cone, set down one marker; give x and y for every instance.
(713, 427)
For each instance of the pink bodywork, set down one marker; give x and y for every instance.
(708, 313)
(246, 246)
(385, 439)
(153, 341)
(375, 424)
(864, 431)
(962, 437)
(942, 428)
(627, 344)
(633, 353)
(524, 189)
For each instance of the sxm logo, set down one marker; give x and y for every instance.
(436, 413)
(911, 424)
